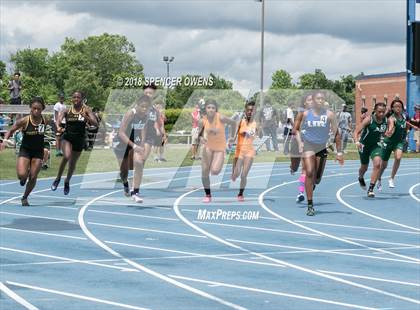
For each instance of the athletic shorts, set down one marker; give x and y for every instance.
(24, 152)
(369, 152)
(320, 150)
(244, 151)
(122, 152)
(78, 142)
(154, 141)
(16, 101)
(388, 148)
(194, 136)
(294, 148)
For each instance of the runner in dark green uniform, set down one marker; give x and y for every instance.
(394, 140)
(74, 137)
(368, 137)
(32, 148)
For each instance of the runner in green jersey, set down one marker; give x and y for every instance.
(368, 136)
(394, 140)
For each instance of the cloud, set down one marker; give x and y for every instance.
(356, 21)
(207, 41)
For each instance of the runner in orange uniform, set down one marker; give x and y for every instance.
(245, 151)
(212, 132)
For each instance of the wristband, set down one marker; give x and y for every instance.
(339, 153)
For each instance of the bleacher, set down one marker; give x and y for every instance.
(23, 109)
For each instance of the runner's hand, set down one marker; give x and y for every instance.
(340, 158)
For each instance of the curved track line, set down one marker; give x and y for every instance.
(141, 267)
(411, 191)
(338, 195)
(16, 297)
(264, 206)
(293, 266)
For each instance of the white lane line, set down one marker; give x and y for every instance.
(77, 296)
(38, 216)
(147, 230)
(370, 278)
(258, 228)
(198, 255)
(43, 233)
(87, 262)
(257, 290)
(358, 227)
(411, 191)
(338, 195)
(384, 242)
(143, 268)
(343, 252)
(7, 291)
(134, 215)
(290, 265)
(264, 206)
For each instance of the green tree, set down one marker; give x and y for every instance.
(106, 56)
(316, 80)
(281, 79)
(32, 62)
(183, 93)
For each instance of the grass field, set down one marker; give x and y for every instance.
(103, 160)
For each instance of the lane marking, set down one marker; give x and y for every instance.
(87, 262)
(358, 227)
(371, 278)
(77, 296)
(147, 230)
(141, 267)
(338, 195)
(264, 206)
(257, 290)
(411, 191)
(16, 297)
(303, 269)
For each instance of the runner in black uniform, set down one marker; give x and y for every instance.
(129, 147)
(153, 136)
(32, 148)
(74, 137)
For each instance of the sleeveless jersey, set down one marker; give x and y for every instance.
(373, 133)
(316, 128)
(75, 122)
(216, 141)
(33, 135)
(400, 131)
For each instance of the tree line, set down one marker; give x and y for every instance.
(94, 65)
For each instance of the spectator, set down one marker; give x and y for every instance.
(59, 107)
(195, 143)
(344, 125)
(15, 87)
(287, 131)
(416, 121)
(92, 131)
(269, 119)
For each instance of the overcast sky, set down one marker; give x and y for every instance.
(223, 37)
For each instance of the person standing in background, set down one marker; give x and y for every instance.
(15, 88)
(268, 118)
(195, 143)
(287, 132)
(416, 121)
(59, 107)
(344, 125)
